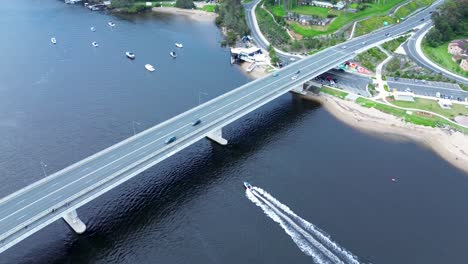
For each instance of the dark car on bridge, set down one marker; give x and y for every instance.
(170, 140)
(196, 122)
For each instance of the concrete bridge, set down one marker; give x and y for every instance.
(59, 195)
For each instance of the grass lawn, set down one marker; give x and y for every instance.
(392, 45)
(353, 5)
(433, 106)
(412, 6)
(345, 18)
(333, 92)
(246, 1)
(414, 118)
(440, 56)
(209, 8)
(311, 10)
(371, 58)
(277, 10)
(371, 24)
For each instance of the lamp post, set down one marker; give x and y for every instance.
(199, 96)
(133, 125)
(43, 165)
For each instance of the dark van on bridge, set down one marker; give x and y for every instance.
(170, 140)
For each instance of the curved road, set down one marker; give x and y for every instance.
(413, 50)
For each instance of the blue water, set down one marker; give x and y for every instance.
(61, 103)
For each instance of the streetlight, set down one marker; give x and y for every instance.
(133, 124)
(43, 165)
(199, 96)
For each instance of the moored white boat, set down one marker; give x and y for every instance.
(130, 55)
(112, 24)
(95, 44)
(173, 54)
(53, 40)
(93, 29)
(179, 45)
(149, 67)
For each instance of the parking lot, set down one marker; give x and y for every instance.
(427, 88)
(349, 82)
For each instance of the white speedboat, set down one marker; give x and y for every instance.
(95, 44)
(247, 185)
(111, 24)
(149, 67)
(53, 40)
(130, 55)
(93, 29)
(173, 54)
(179, 45)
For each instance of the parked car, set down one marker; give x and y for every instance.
(438, 95)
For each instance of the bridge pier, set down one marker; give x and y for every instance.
(299, 89)
(74, 222)
(217, 136)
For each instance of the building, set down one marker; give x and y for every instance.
(340, 5)
(464, 64)
(459, 49)
(403, 96)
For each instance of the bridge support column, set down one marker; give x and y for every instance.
(299, 89)
(74, 222)
(217, 136)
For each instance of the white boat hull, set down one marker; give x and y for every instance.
(149, 67)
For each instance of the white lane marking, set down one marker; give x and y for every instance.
(257, 90)
(20, 201)
(86, 169)
(20, 217)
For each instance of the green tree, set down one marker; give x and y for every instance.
(185, 4)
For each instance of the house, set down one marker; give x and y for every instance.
(464, 64)
(340, 5)
(458, 47)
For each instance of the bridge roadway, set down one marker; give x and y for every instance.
(30, 209)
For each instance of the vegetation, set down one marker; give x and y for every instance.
(232, 18)
(185, 4)
(412, 6)
(371, 58)
(450, 21)
(130, 6)
(311, 10)
(275, 33)
(371, 88)
(333, 92)
(371, 24)
(424, 120)
(440, 55)
(209, 8)
(274, 59)
(394, 44)
(433, 106)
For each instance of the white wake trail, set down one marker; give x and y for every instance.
(344, 254)
(303, 245)
(325, 251)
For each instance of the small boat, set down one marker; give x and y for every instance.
(111, 24)
(247, 186)
(130, 55)
(173, 54)
(149, 67)
(179, 45)
(53, 40)
(95, 44)
(93, 29)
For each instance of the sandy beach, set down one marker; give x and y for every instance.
(450, 145)
(257, 73)
(195, 14)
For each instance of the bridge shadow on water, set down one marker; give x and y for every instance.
(153, 197)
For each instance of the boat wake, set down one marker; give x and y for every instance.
(310, 239)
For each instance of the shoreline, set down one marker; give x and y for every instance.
(195, 14)
(449, 145)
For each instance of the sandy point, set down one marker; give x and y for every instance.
(195, 14)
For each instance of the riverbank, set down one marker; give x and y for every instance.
(195, 14)
(449, 145)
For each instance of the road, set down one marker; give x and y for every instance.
(347, 81)
(411, 49)
(39, 204)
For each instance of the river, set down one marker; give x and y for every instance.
(60, 103)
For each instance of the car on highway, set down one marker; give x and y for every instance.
(294, 77)
(275, 74)
(196, 122)
(344, 47)
(170, 140)
(422, 19)
(387, 34)
(364, 42)
(298, 71)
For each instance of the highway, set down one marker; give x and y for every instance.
(39, 204)
(411, 49)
